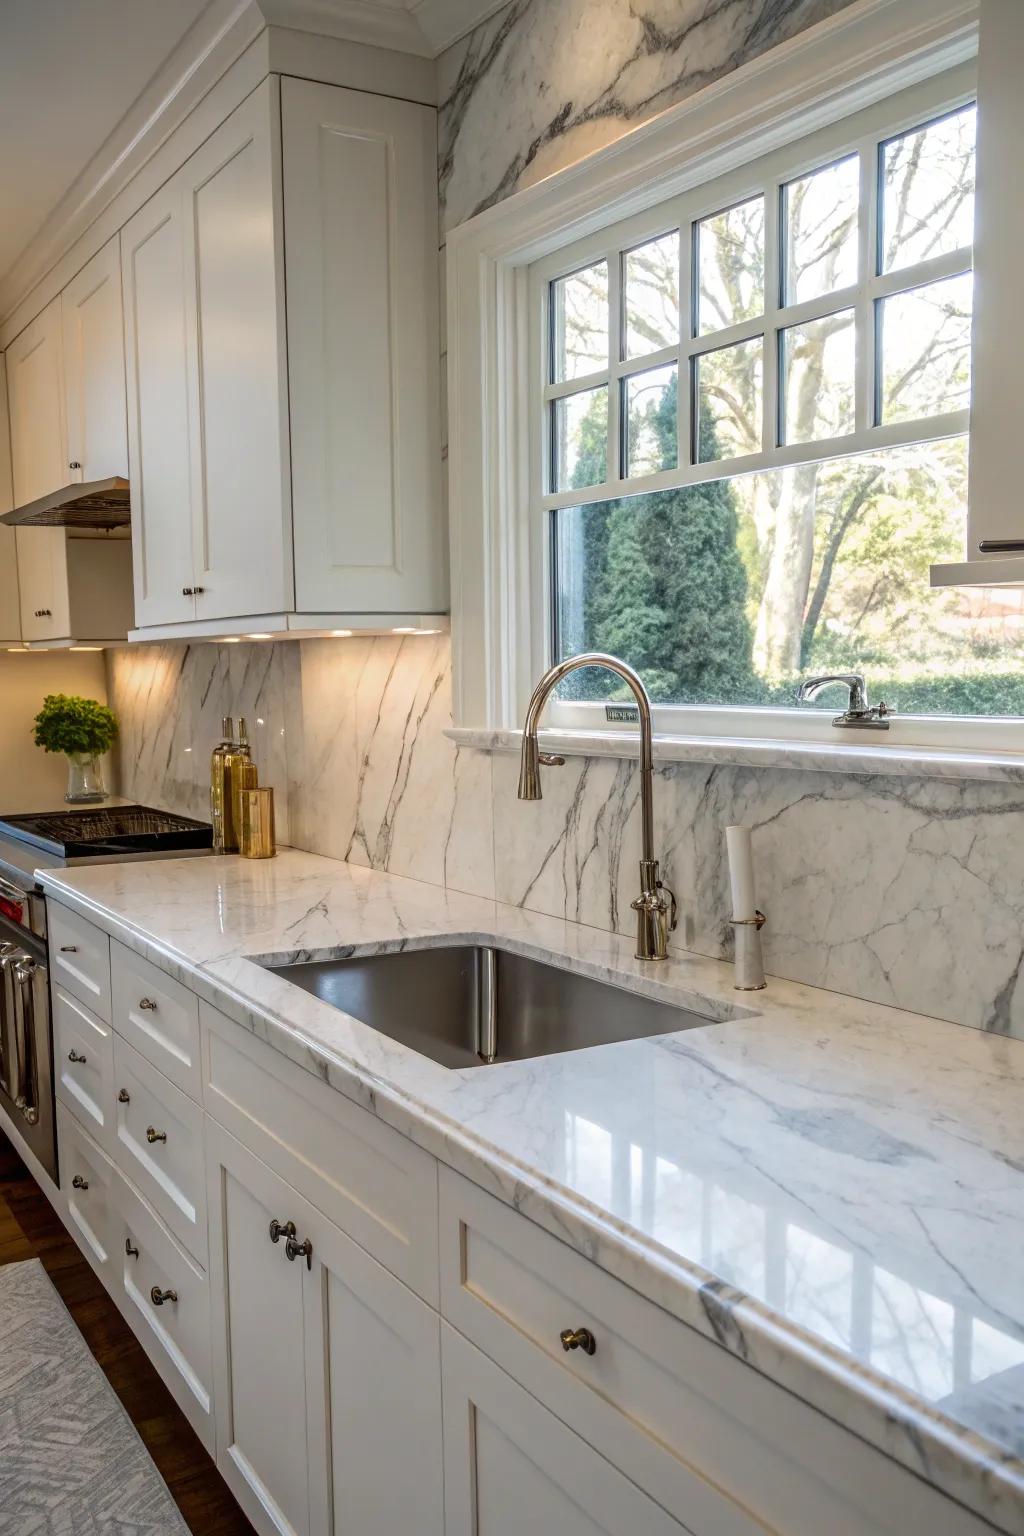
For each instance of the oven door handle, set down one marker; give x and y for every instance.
(24, 1087)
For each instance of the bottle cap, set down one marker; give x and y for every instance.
(227, 728)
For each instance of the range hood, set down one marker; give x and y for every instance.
(994, 556)
(91, 504)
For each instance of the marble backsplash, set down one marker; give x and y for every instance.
(902, 891)
(544, 82)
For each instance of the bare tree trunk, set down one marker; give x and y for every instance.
(780, 617)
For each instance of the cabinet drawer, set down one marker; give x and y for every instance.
(83, 1048)
(726, 1451)
(158, 1015)
(367, 1178)
(175, 1332)
(87, 1183)
(160, 1146)
(79, 958)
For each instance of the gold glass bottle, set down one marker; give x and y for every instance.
(220, 798)
(238, 768)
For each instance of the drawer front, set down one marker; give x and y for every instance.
(83, 1049)
(160, 1146)
(726, 1451)
(367, 1178)
(157, 1015)
(174, 1331)
(87, 1179)
(79, 958)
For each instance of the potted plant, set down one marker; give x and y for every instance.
(83, 729)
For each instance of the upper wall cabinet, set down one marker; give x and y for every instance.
(10, 611)
(269, 413)
(360, 205)
(207, 417)
(66, 388)
(97, 445)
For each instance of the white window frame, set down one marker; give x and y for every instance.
(814, 85)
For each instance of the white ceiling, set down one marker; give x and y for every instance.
(69, 71)
(74, 76)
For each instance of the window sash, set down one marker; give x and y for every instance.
(862, 133)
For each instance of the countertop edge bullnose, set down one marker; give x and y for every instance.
(951, 1456)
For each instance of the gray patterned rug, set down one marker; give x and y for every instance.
(71, 1462)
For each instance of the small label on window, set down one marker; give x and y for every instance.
(621, 714)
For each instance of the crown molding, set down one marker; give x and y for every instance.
(425, 27)
(219, 37)
(444, 22)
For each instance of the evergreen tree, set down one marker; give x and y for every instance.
(666, 588)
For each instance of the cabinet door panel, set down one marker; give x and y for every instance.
(10, 603)
(258, 1340)
(152, 262)
(35, 383)
(374, 1389)
(93, 327)
(511, 1466)
(361, 225)
(235, 297)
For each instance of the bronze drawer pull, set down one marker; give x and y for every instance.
(158, 1297)
(147, 1004)
(152, 1135)
(578, 1338)
(279, 1229)
(69, 949)
(296, 1250)
(79, 1183)
(124, 1097)
(74, 1056)
(131, 1252)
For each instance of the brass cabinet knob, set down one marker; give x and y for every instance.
(124, 1097)
(158, 1297)
(279, 1229)
(578, 1338)
(152, 1135)
(130, 1250)
(147, 1004)
(79, 1183)
(73, 1055)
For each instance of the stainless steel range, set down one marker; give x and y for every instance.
(97, 835)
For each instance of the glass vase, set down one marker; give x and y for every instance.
(85, 779)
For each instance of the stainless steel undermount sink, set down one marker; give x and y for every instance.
(469, 1005)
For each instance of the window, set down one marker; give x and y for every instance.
(750, 411)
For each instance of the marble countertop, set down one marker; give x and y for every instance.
(830, 1189)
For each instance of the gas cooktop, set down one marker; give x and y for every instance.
(118, 832)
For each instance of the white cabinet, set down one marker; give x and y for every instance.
(204, 322)
(93, 338)
(328, 1344)
(361, 220)
(66, 395)
(153, 268)
(35, 382)
(249, 438)
(10, 602)
(511, 1466)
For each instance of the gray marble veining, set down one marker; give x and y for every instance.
(831, 1190)
(544, 82)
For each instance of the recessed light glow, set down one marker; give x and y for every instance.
(85, 647)
(259, 637)
(404, 629)
(342, 634)
(232, 639)
(17, 650)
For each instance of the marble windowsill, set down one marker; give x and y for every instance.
(755, 752)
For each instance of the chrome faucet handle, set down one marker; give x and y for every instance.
(854, 681)
(858, 715)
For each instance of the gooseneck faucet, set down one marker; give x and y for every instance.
(655, 907)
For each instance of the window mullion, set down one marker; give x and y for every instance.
(616, 458)
(866, 359)
(772, 358)
(687, 325)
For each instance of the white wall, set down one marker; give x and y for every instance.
(31, 779)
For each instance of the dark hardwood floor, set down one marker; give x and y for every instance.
(30, 1229)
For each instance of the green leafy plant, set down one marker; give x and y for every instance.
(67, 723)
